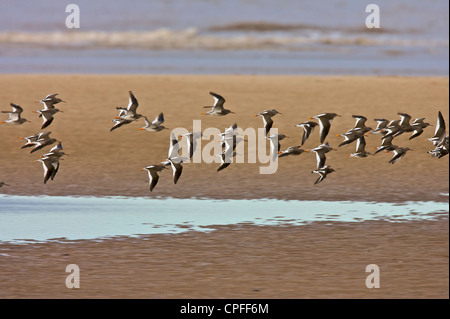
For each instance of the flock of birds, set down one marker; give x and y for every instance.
(49, 160)
(229, 139)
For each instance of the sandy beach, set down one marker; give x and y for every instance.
(319, 260)
(103, 163)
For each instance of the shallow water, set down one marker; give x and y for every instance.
(27, 219)
(225, 36)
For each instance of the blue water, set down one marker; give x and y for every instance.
(27, 219)
(225, 36)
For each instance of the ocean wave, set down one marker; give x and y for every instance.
(193, 39)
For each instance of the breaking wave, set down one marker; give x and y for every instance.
(193, 39)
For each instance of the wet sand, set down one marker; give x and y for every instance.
(320, 260)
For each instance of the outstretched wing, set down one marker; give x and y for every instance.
(159, 119)
(132, 103)
(218, 100)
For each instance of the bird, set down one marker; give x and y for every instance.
(55, 151)
(418, 126)
(275, 145)
(174, 146)
(360, 121)
(291, 150)
(399, 127)
(352, 135)
(3, 184)
(323, 172)
(399, 152)
(153, 174)
(129, 113)
(177, 167)
(47, 116)
(308, 128)
(360, 148)
(440, 131)
(50, 100)
(154, 126)
(191, 138)
(50, 165)
(386, 145)
(382, 124)
(14, 115)
(267, 119)
(42, 140)
(217, 108)
(325, 120)
(226, 158)
(31, 140)
(441, 149)
(118, 122)
(320, 151)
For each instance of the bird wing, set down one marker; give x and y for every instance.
(361, 145)
(324, 128)
(174, 147)
(360, 120)
(153, 178)
(47, 119)
(132, 103)
(321, 158)
(48, 169)
(218, 101)
(158, 120)
(405, 118)
(177, 169)
(440, 127)
(16, 108)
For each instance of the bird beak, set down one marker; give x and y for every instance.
(141, 169)
(348, 155)
(117, 117)
(307, 150)
(256, 115)
(204, 113)
(2, 122)
(280, 152)
(310, 118)
(141, 129)
(21, 138)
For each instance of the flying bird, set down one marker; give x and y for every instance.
(320, 151)
(308, 128)
(153, 174)
(325, 120)
(50, 100)
(360, 148)
(14, 115)
(154, 126)
(399, 152)
(217, 108)
(323, 172)
(275, 145)
(291, 150)
(267, 119)
(50, 165)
